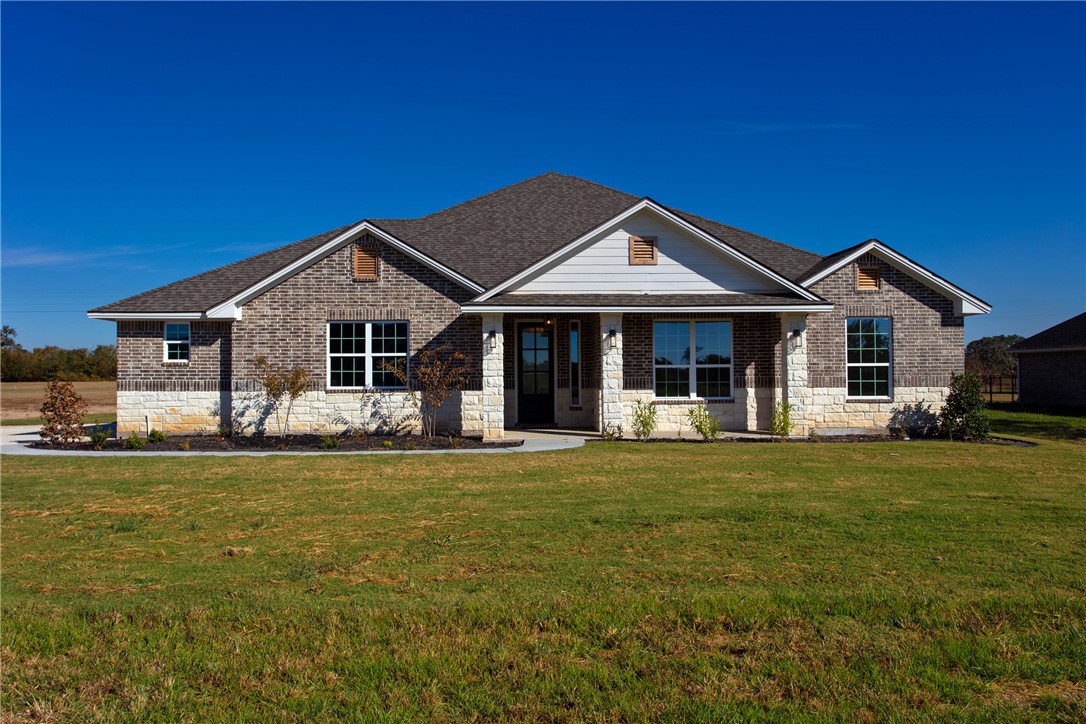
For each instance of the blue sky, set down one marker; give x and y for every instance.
(143, 143)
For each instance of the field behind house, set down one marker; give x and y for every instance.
(619, 581)
(20, 402)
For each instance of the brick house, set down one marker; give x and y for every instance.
(570, 300)
(1052, 365)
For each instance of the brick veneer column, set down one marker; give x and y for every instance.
(493, 397)
(797, 391)
(611, 417)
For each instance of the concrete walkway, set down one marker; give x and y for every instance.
(14, 440)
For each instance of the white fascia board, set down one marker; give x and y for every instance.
(494, 308)
(577, 244)
(151, 316)
(964, 302)
(324, 250)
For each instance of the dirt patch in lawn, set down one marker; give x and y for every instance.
(295, 443)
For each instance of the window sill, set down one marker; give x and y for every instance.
(868, 399)
(356, 390)
(691, 400)
(175, 361)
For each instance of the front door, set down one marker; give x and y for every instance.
(535, 374)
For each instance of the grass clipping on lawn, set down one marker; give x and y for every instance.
(611, 582)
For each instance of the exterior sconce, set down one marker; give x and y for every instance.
(492, 338)
(797, 338)
(612, 337)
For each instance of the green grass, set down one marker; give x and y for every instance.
(621, 581)
(1034, 421)
(101, 418)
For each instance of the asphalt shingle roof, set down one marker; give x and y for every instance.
(486, 239)
(1067, 334)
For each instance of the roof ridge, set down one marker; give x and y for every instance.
(488, 193)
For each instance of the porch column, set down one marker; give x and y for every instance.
(797, 391)
(611, 417)
(493, 402)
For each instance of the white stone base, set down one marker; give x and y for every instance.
(912, 410)
(314, 412)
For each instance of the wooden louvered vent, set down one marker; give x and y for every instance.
(366, 262)
(867, 277)
(643, 250)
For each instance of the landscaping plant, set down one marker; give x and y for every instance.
(644, 419)
(704, 423)
(438, 375)
(781, 425)
(156, 436)
(281, 384)
(963, 416)
(62, 411)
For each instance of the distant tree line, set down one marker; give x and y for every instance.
(988, 356)
(54, 363)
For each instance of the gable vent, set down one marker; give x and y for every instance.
(867, 277)
(643, 250)
(366, 261)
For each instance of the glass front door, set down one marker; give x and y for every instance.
(535, 374)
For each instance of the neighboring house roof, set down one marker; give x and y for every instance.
(1065, 336)
(481, 243)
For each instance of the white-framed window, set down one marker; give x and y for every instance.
(704, 374)
(367, 355)
(176, 342)
(574, 363)
(868, 356)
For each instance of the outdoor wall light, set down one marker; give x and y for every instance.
(612, 337)
(492, 338)
(797, 338)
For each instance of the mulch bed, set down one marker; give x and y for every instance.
(295, 443)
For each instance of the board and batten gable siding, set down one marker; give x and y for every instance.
(928, 337)
(686, 265)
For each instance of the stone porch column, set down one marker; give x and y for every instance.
(493, 402)
(797, 391)
(611, 417)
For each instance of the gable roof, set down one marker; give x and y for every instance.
(1067, 335)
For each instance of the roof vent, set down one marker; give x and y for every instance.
(643, 250)
(867, 277)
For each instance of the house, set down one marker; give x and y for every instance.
(570, 301)
(1052, 365)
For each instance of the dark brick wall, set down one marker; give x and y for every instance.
(755, 347)
(140, 365)
(1052, 378)
(590, 348)
(928, 339)
(288, 324)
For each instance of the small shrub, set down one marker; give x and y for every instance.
(224, 432)
(963, 416)
(704, 423)
(611, 433)
(388, 444)
(62, 411)
(781, 425)
(135, 442)
(156, 436)
(184, 446)
(409, 446)
(455, 441)
(98, 437)
(329, 442)
(279, 384)
(644, 422)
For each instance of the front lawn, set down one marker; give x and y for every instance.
(618, 581)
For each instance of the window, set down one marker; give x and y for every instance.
(867, 277)
(710, 367)
(574, 363)
(367, 354)
(366, 263)
(177, 342)
(643, 250)
(868, 355)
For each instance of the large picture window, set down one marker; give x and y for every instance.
(868, 350)
(706, 373)
(177, 342)
(367, 354)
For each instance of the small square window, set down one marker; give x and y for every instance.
(176, 342)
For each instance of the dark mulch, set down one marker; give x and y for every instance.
(297, 443)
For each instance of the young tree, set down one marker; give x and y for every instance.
(279, 384)
(438, 375)
(62, 411)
